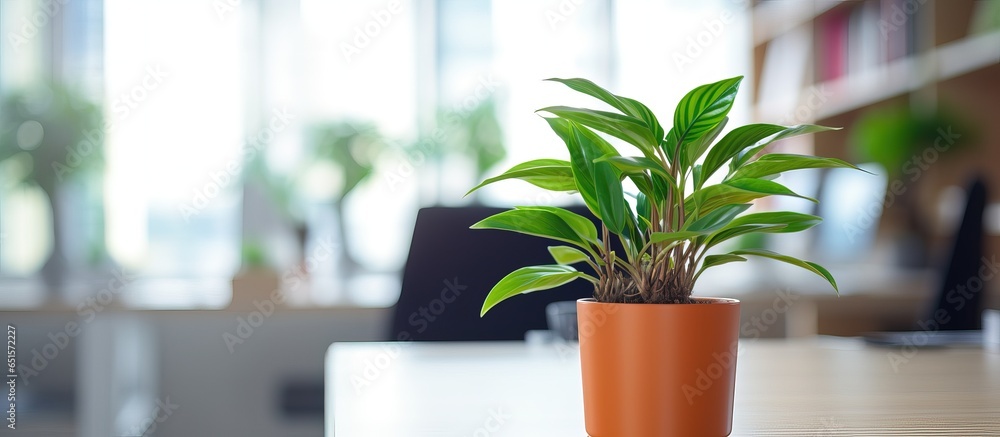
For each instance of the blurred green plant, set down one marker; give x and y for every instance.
(897, 138)
(986, 17)
(54, 134)
(895, 135)
(475, 134)
(253, 255)
(51, 136)
(343, 153)
(341, 156)
(677, 216)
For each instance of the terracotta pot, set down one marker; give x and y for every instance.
(658, 370)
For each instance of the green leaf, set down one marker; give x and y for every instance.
(782, 222)
(644, 211)
(730, 232)
(566, 255)
(637, 164)
(642, 112)
(811, 266)
(765, 187)
(718, 260)
(717, 218)
(670, 237)
(734, 142)
(696, 148)
(793, 221)
(581, 225)
(581, 161)
(702, 109)
(627, 128)
(632, 238)
(535, 222)
(529, 279)
(734, 192)
(696, 174)
(745, 141)
(775, 163)
(643, 183)
(661, 187)
(669, 143)
(550, 174)
(744, 156)
(610, 197)
(598, 182)
(591, 89)
(653, 184)
(624, 104)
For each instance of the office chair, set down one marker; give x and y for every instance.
(451, 268)
(964, 309)
(955, 314)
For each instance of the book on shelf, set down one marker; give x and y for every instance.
(864, 40)
(860, 36)
(783, 75)
(832, 31)
(896, 38)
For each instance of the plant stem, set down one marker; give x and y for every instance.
(632, 272)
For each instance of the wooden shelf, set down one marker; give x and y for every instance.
(776, 17)
(832, 62)
(967, 55)
(901, 76)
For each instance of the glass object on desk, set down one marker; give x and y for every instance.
(562, 324)
(991, 330)
(561, 317)
(851, 206)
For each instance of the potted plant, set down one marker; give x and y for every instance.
(655, 360)
(898, 138)
(55, 136)
(342, 157)
(257, 279)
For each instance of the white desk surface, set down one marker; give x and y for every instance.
(813, 387)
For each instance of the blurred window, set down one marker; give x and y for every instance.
(185, 102)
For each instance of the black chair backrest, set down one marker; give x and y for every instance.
(451, 268)
(958, 305)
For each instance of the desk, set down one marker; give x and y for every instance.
(810, 387)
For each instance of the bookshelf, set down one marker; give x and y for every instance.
(896, 78)
(883, 75)
(830, 62)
